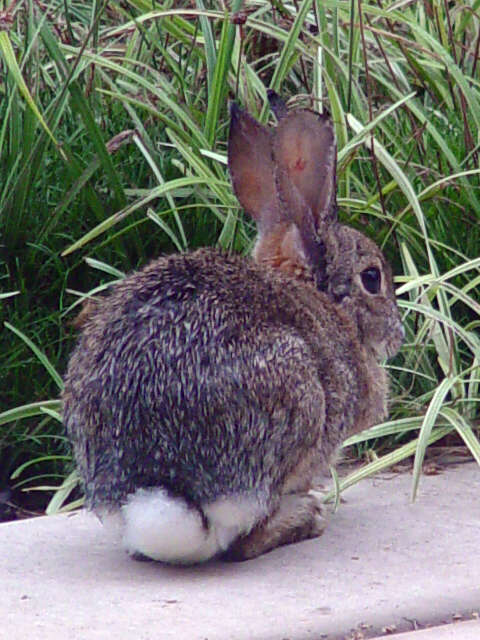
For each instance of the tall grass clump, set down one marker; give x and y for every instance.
(113, 128)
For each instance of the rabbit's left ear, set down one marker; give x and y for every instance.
(252, 170)
(305, 154)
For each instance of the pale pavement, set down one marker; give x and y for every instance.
(382, 564)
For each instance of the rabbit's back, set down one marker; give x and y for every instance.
(196, 375)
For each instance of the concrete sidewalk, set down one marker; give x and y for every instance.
(459, 630)
(382, 564)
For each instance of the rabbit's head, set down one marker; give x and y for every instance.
(285, 178)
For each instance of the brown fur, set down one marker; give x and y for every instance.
(89, 307)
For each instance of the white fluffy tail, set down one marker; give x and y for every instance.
(165, 528)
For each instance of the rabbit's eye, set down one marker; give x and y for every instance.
(371, 279)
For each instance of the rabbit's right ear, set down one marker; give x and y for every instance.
(277, 105)
(251, 168)
(305, 153)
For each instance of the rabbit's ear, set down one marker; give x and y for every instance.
(251, 168)
(277, 105)
(305, 154)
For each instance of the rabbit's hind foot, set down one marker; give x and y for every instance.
(300, 516)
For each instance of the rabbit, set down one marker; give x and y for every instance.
(208, 389)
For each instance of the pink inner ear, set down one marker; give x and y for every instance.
(300, 164)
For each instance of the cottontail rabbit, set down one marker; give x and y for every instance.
(207, 389)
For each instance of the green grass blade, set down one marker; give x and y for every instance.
(216, 97)
(9, 294)
(62, 494)
(210, 48)
(157, 192)
(166, 229)
(105, 268)
(464, 430)
(8, 55)
(428, 424)
(56, 377)
(19, 470)
(386, 461)
(287, 55)
(28, 411)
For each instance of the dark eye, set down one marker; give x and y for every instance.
(371, 279)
